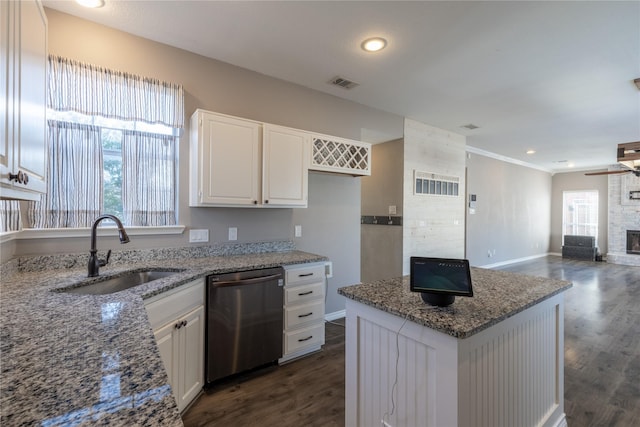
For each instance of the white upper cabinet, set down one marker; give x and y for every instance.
(23, 65)
(285, 166)
(243, 163)
(225, 160)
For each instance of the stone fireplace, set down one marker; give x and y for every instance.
(633, 242)
(624, 219)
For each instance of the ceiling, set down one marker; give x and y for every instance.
(554, 77)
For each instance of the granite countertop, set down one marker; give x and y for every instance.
(70, 359)
(496, 296)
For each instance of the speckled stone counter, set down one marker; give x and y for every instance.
(69, 359)
(497, 295)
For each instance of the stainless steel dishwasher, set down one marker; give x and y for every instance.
(244, 321)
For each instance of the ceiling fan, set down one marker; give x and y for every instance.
(629, 157)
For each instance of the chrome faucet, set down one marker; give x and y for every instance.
(94, 262)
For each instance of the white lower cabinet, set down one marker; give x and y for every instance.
(177, 318)
(304, 291)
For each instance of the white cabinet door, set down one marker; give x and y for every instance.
(285, 166)
(6, 89)
(31, 151)
(178, 323)
(166, 340)
(227, 162)
(191, 354)
(23, 59)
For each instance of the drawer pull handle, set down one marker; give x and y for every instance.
(305, 339)
(301, 294)
(305, 315)
(180, 324)
(305, 275)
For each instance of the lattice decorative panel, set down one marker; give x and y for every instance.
(339, 155)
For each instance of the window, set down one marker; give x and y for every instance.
(112, 139)
(112, 171)
(580, 213)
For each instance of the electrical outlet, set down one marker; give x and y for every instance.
(328, 269)
(233, 233)
(392, 209)
(196, 236)
(298, 231)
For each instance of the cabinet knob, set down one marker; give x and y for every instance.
(180, 324)
(266, 201)
(255, 202)
(20, 177)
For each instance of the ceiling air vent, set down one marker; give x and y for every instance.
(343, 83)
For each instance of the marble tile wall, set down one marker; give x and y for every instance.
(624, 215)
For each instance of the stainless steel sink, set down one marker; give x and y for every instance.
(119, 283)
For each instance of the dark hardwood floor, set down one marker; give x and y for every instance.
(602, 361)
(305, 392)
(602, 339)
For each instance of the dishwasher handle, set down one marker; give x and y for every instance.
(247, 281)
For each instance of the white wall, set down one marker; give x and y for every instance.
(381, 253)
(577, 181)
(513, 210)
(330, 226)
(432, 225)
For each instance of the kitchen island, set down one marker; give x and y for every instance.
(494, 359)
(70, 359)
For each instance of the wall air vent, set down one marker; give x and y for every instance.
(343, 83)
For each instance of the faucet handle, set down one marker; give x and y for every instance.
(103, 262)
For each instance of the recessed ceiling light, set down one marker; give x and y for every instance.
(91, 3)
(531, 151)
(374, 44)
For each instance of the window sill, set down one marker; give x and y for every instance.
(60, 233)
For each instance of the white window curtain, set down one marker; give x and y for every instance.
(82, 99)
(148, 168)
(10, 218)
(96, 91)
(74, 178)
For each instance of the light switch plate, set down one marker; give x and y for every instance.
(297, 231)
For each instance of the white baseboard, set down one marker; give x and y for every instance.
(335, 315)
(513, 261)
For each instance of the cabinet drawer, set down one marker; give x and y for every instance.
(304, 293)
(296, 340)
(301, 314)
(306, 274)
(175, 304)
